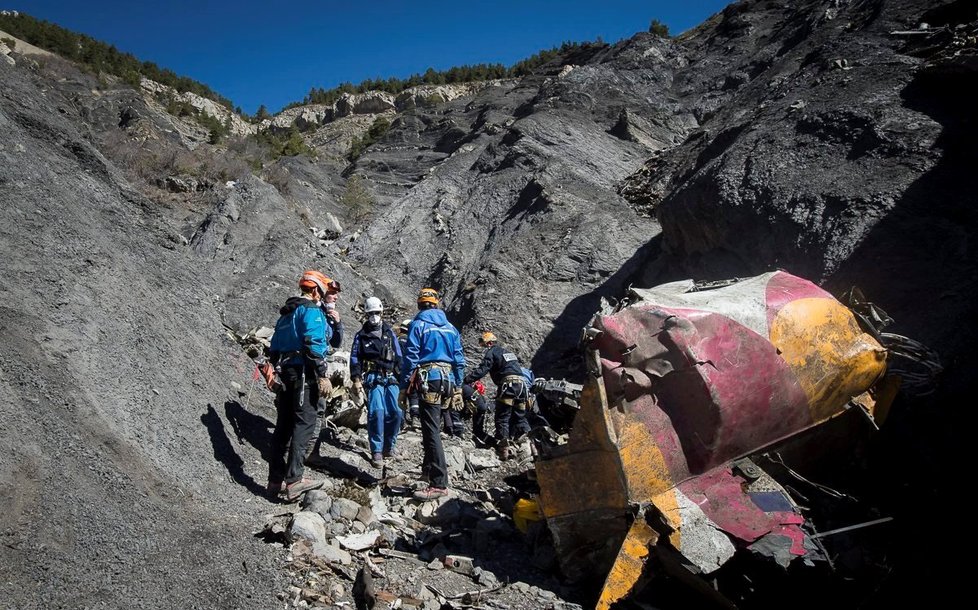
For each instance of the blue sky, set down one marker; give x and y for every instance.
(272, 53)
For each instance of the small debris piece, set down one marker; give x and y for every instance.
(359, 542)
(459, 563)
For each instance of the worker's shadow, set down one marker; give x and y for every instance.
(224, 450)
(331, 454)
(250, 428)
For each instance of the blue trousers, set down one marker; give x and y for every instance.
(383, 415)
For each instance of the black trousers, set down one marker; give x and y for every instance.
(479, 424)
(510, 421)
(434, 455)
(295, 423)
(453, 423)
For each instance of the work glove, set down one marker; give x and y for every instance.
(325, 388)
(358, 390)
(457, 402)
(271, 378)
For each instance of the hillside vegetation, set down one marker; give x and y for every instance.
(99, 56)
(460, 74)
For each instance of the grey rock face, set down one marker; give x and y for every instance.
(133, 462)
(5, 54)
(511, 197)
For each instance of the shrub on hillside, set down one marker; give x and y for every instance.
(357, 198)
(149, 163)
(279, 177)
(659, 29)
(217, 129)
(290, 144)
(378, 128)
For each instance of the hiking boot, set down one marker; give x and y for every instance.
(430, 493)
(274, 488)
(503, 453)
(294, 491)
(378, 460)
(388, 453)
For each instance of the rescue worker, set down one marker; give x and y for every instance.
(474, 395)
(298, 352)
(512, 394)
(375, 366)
(408, 401)
(328, 305)
(333, 315)
(434, 367)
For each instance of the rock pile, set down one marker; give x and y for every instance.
(363, 539)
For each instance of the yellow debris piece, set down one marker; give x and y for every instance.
(525, 511)
(629, 564)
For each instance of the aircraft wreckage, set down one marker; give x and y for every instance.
(683, 384)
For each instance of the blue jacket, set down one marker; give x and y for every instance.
(432, 338)
(301, 328)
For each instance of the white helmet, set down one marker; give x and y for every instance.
(373, 305)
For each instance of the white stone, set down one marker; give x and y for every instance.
(359, 542)
(309, 526)
(333, 226)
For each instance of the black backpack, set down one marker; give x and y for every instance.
(378, 350)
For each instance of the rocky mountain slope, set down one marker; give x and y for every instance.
(829, 138)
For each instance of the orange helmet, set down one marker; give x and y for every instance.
(428, 295)
(315, 279)
(487, 337)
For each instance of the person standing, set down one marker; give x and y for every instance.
(434, 367)
(512, 394)
(333, 314)
(375, 363)
(408, 400)
(298, 352)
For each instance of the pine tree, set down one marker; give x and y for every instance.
(659, 29)
(356, 198)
